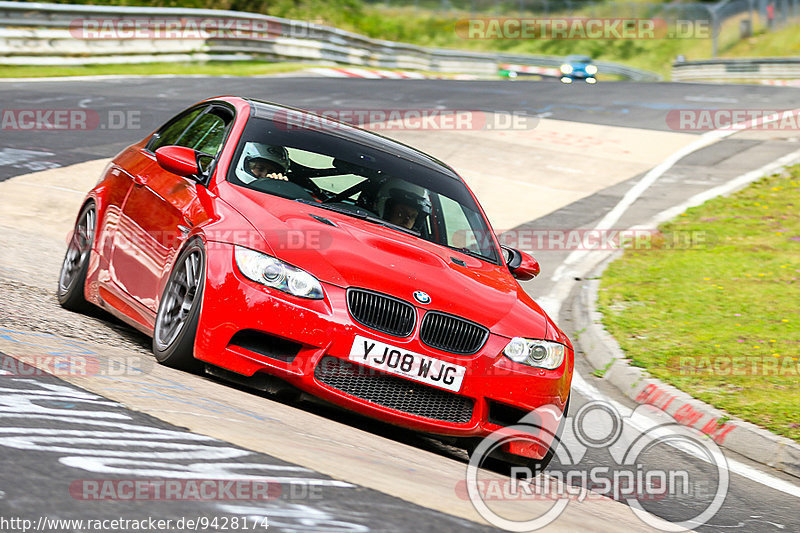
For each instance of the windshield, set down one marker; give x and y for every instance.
(579, 59)
(361, 179)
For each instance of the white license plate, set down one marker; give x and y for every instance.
(388, 358)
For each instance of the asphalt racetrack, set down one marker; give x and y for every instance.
(64, 438)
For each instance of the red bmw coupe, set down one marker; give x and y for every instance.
(272, 246)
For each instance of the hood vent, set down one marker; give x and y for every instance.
(323, 220)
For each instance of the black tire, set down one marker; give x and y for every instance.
(179, 310)
(72, 278)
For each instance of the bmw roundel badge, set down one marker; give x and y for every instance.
(422, 297)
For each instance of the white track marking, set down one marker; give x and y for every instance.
(13, 156)
(577, 263)
(54, 187)
(590, 392)
(726, 188)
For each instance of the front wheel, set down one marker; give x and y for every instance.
(179, 310)
(72, 278)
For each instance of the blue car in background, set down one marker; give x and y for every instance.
(578, 67)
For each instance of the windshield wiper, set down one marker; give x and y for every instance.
(470, 252)
(329, 207)
(388, 224)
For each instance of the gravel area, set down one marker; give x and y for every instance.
(29, 266)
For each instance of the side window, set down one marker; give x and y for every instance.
(202, 129)
(170, 134)
(205, 134)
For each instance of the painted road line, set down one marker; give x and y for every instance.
(300, 436)
(725, 189)
(553, 301)
(67, 449)
(578, 263)
(590, 392)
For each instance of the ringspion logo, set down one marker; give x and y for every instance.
(630, 478)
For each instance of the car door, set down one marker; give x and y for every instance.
(160, 209)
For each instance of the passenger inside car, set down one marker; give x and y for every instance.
(404, 204)
(401, 214)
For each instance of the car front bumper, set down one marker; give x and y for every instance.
(307, 343)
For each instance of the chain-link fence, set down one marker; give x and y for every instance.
(733, 20)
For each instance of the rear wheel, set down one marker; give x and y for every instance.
(179, 310)
(72, 278)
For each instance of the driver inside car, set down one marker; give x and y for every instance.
(265, 161)
(404, 204)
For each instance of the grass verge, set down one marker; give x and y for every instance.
(209, 68)
(781, 43)
(718, 314)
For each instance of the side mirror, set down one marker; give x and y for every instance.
(178, 160)
(522, 265)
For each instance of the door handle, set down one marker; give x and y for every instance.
(138, 180)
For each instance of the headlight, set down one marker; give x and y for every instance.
(274, 273)
(566, 69)
(591, 69)
(538, 353)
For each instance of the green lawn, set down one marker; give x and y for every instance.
(781, 43)
(210, 68)
(689, 313)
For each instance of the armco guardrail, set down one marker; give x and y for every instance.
(45, 34)
(737, 69)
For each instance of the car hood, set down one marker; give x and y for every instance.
(349, 252)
